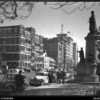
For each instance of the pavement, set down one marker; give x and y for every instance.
(54, 89)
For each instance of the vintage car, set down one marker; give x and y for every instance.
(7, 84)
(40, 78)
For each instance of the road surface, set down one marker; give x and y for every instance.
(68, 89)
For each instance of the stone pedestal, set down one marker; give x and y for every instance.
(86, 72)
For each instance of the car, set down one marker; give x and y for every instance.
(17, 70)
(7, 84)
(40, 78)
(69, 76)
(27, 69)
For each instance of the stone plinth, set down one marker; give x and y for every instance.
(86, 72)
(91, 45)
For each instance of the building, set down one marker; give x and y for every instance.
(38, 61)
(60, 49)
(48, 62)
(44, 62)
(75, 54)
(69, 53)
(54, 50)
(15, 46)
(67, 43)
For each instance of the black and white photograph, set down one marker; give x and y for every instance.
(49, 48)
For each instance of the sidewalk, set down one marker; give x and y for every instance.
(51, 85)
(56, 90)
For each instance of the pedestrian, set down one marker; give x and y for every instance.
(58, 76)
(50, 77)
(19, 81)
(63, 75)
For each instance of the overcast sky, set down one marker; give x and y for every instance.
(47, 21)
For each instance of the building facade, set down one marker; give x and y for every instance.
(75, 54)
(15, 46)
(49, 63)
(60, 48)
(20, 47)
(67, 43)
(54, 49)
(38, 52)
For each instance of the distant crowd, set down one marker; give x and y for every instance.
(58, 76)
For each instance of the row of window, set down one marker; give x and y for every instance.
(25, 57)
(24, 64)
(9, 40)
(9, 48)
(23, 41)
(9, 31)
(13, 48)
(25, 34)
(10, 57)
(22, 48)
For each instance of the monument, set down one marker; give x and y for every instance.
(87, 69)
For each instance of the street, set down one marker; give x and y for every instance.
(54, 89)
(67, 89)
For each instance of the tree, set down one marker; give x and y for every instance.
(12, 10)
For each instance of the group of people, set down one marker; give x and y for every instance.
(61, 75)
(58, 77)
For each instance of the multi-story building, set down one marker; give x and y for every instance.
(54, 49)
(32, 31)
(70, 53)
(67, 48)
(60, 48)
(48, 62)
(67, 43)
(75, 54)
(15, 46)
(38, 42)
(20, 46)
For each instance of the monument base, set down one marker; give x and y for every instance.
(92, 78)
(86, 72)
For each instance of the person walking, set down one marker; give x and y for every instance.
(58, 76)
(19, 81)
(63, 75)
(50, 77)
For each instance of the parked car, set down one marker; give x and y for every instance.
(40, 78)
(19, 70)
(7, 84)
(69, 76)
(27, 69)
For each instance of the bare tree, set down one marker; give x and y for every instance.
(12, 10)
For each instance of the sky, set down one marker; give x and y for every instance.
(47, 21)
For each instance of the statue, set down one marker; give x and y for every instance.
(92, 22)
(81, 54)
